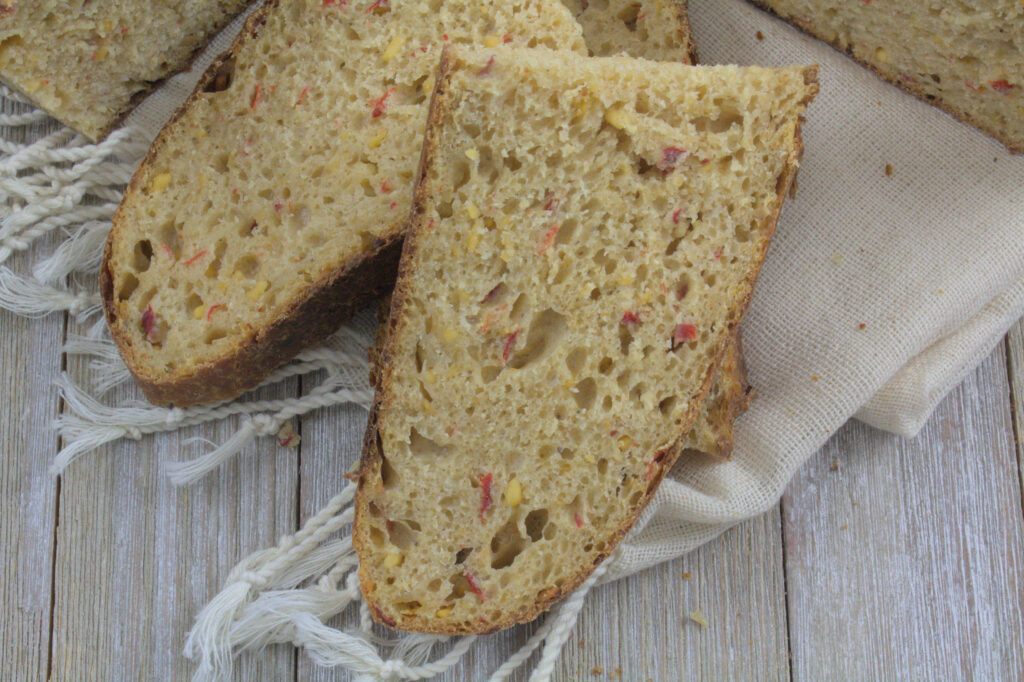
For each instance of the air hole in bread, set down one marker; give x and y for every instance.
(720, 124)
(535, 523)
(424, 447)
(602, 466)
(142, 255)
(630, 15)
(388, 475)
(605, 366)
(545, 332)
(213, 269)
(667, 405)
(129, 283)
(407, 607)
(506, 545)
(585, 393)
(192, 303)
(402, 534)
(460, 586)
(248, 265)
(625, 338)
(146, 298)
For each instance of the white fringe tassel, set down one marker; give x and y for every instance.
(262, 604)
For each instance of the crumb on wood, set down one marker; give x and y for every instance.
(843, 527)
(597, 670)
(698, 618)
(835, 466)
(687, 575)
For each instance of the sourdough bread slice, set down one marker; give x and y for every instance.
(965, 57)
(273, 205)
(88, 63)
(652, 29)
(585, 237)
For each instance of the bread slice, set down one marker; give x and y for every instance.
(712, 432)
(965, 57)
(273, 205)
(652, 29)
(88, 63)
(584, 239)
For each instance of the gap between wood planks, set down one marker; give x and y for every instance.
(1015, 375)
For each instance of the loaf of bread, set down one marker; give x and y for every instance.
(89, 63)
(966, 57)
(584, 240)
(652, 29)
(274, 203)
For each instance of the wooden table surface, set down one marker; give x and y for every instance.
(886, 558)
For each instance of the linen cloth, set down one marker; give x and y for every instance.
(879, 293)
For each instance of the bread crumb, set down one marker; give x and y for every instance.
(861, 326)
(687, 575)
(835, 466)
(843, 527)
(698, 618)
(814, 377)
(888, 169)
(597, 670)
(760, 36)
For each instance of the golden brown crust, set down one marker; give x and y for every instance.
(370, 462)
(8, 8)
(685, 34)
(1014, 146)
(327, 304)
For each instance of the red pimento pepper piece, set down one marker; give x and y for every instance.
(683, 290)
(149, 325)
(675, 215)
(553, 203)
(487, 67)
(491, 294)
(473, 587)
(255, 97)
(485, 491)
(166, 249)
(213, 308)
(193, 259)
(380, 105)
(385, 187)
(286, 441)
(377, 5)
(1001, 85)
(684, 333)
(549, 239)
(629, 318)
(578, 520)
(302, 96)
(339, 3)
(510, 343)
(669, 157)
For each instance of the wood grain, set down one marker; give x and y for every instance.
(29, 365)
(905, 558)
(138, 558)
(1015, 370)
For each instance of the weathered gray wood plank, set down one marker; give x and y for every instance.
(640, 625)
(905, 558)
(137, 558)
(29, 365)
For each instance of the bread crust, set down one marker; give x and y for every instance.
(1014, 146)
(307, 321)
(370, 462)
(7, 8)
